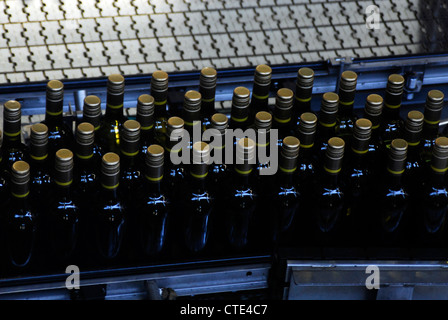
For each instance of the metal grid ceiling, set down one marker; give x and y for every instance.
(59, 39)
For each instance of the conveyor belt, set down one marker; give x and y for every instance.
(70, 39)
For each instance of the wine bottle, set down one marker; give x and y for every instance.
(307, 161)
(40, 172)
(242, 197)
(327, 117)
(109, 132)
(145, 116)
(433, 198)
(60, 134)
(392, 123)
(393, 198)
(198, 201)
(239, 112)
(207, 89)
(432, 113)
(131, 175)
(19, 220)
(175, 170)
(412, 133)
(63, 216)
(359, 182)
(191, 114)
(303, 94)
(346, 116)
(110, 214)
(328, 195)
(373, 110)
(153, 205)
(260, 90)
(86, 162)
(159, 90)
(286, 198)
(91, 113)
(282, 118)
(13, 148)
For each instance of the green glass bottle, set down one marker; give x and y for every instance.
(145, 116)
(260, 90)
(359, 182)
(198, 201)
(64, 213)
(19, 220)
(242, 198)
(282, 115)
(13, 149)
(393, 199)
(191, 114)
(286, 196)
(373, 110)
(207, 88)
(91, 113)
(328, 195)
(153, 205)
(159, 90)
(60, 134)
(346, 116)
(432, 114)
(109, 132)
(392, 123)
(239, 112)
(433, 198)
(304, 91)
(110, 213)
(327, 122)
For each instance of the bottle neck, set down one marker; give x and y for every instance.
(109, 192)
(154, 186)
(391, 113)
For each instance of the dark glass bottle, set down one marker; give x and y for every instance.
(282, 115)
(198, 201)
(286, 197)
(239, 112)
(242, 198)
(153, 207)
(412, 133)
(373, 110)
(191, 114)
(131, 165)
(12, 147)
(159, 90)
(60, 135)
(86, 162)
(145, 116)
(433, 198)
(63, 216)
(40, 178)
(260, 90)
(109, 132)
(358, 177)
(262, 126)
(432, 113)
(110, 214)
(304, 91)
(328, 195)
(392, 123)
(207, 89)
(91, 113)
(393, 199)
(19, 221)
(307, 161)
(326, 127)
(346, 116)
(174, 165)
(219, 170)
